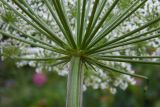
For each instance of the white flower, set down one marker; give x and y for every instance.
(98, 79)
(113, 90)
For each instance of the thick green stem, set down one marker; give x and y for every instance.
(75, 82)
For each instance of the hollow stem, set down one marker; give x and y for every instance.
(75, 82)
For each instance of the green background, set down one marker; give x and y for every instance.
(18, 90)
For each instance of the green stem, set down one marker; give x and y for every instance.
(127, 60)
(102, 21)
(75, 82)
(118, 21)
(108, 68)
(88, 30)
(130, 42)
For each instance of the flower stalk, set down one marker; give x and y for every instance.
(75, 83)
(92, 34)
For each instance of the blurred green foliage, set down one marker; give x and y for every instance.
(17, 89)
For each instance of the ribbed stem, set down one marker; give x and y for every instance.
(75, 82)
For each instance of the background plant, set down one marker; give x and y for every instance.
(52, 93)
(98, 38)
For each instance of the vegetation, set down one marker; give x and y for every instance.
(93, 41)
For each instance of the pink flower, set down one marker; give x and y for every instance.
(39, 79)
(138, 82)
